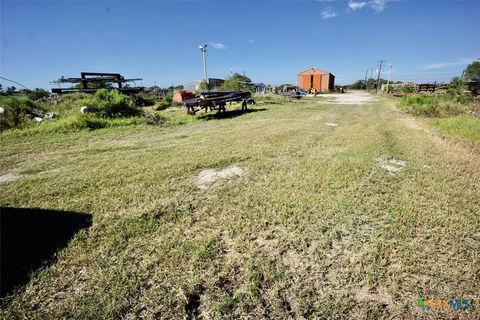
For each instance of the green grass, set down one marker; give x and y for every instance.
(314, 229)
(462, 126)
(73, 123)
(438, 105)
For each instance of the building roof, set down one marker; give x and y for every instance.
(313, 70)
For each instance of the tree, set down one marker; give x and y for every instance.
(203, 85)
(36, 94)
(235, 82)
(94, 85)
(472, 72)
(371, 83)
(357, 85)
(11, 90)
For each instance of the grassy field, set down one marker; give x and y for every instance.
(465, 127)
(357, 221)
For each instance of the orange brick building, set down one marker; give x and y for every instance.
(320, 80)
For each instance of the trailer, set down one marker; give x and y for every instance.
(217, 101)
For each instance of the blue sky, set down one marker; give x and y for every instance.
(271, 41)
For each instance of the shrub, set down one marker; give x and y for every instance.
(421, 105)
(166, 102)
(37, 94)
(154, 118)
(464, 99)
(142, 100)
(16, 110)
(456, 86)
(407, 89)
(110, 104)
(162, 105)
(168, 99)
(435, 106)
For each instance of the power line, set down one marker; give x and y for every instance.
(14, 82)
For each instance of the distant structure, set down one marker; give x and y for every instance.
(215, 83)
(192, 85)
(258, 88)
(314, 78)
(96, 78)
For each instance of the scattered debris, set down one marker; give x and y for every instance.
(84, 109)
(37, 119)
(2, 110)
(208, 177)
(392, 166)
(331, 124)
(51, 115)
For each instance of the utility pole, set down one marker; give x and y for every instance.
(388, 79)
(371, 72)
(203, 49)
(366, 74)
(371, 77)
(379, 72)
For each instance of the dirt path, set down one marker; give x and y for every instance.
(350, 98)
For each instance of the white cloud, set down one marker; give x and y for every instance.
(328, 13)
(439, 65)
(251, 40)
(356, 5)
(378, 5)
(218, 45)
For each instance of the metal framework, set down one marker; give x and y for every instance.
(96, 77)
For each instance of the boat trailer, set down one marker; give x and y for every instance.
(217, 101)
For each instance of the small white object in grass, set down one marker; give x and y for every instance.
(2, 110)
(84, 109)
(331, 124)
(51, 115)
(37, 119)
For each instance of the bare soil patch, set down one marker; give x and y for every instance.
(208, 177)
(391, 166)
(350, 98)
(9, 178)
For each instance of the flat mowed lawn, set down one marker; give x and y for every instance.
(313, 222)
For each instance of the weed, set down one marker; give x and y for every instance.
(16, 112)
(110, 104)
